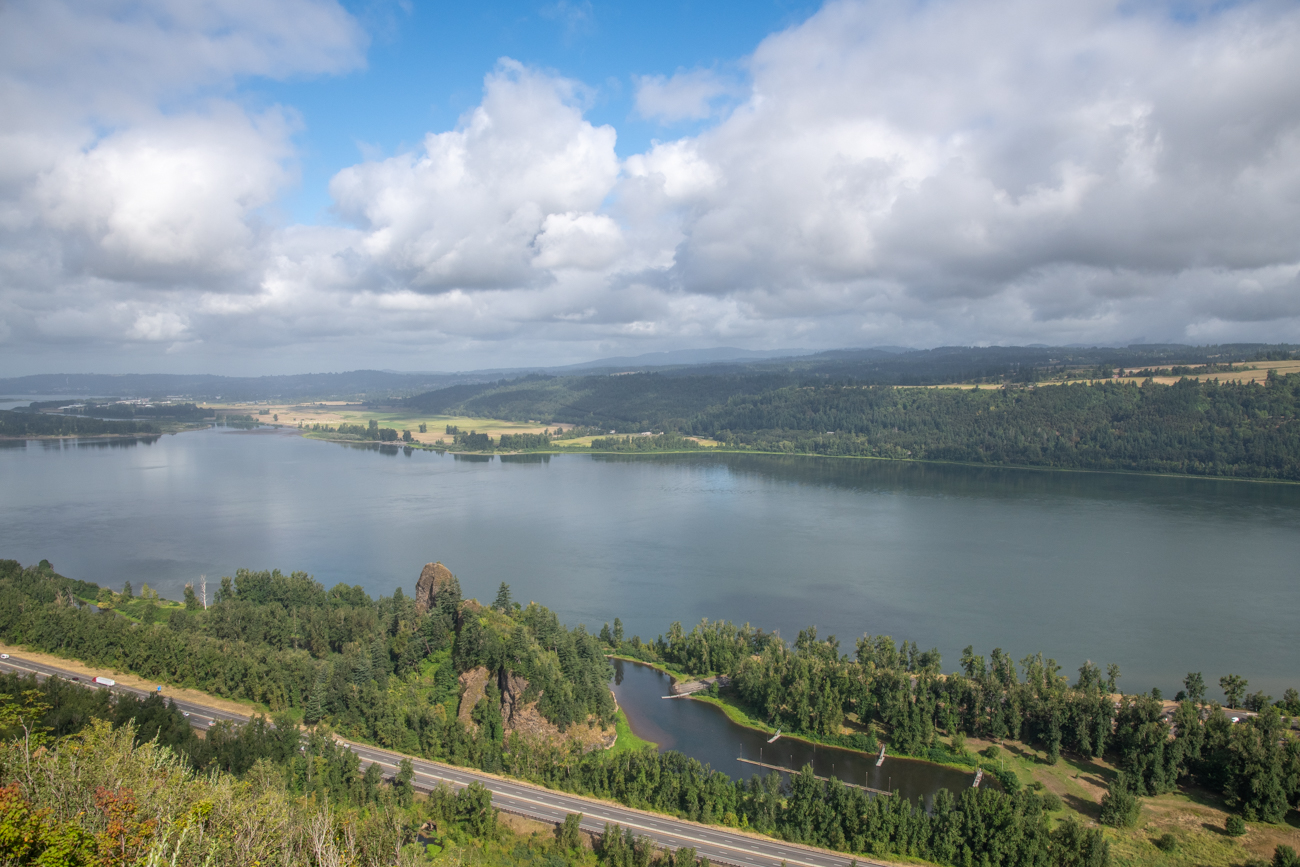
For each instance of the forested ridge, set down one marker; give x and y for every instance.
(627, 404)
(376, 669)
(1199, 428)
(1246, 430)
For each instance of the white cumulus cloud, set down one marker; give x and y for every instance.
(466, 210)
(686, 95)
(891, 172)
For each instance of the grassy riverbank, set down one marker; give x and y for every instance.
(628, 741)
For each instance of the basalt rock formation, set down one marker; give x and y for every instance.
(521, 716)
(436, 584)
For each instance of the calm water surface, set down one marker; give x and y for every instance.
(703, 731)
(1160, 575)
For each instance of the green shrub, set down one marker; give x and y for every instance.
(1010, 782)
(1119, 806)
(991, 751)
(1235, 826)
(1285, 856)
(1051, 802)
(1166, 842)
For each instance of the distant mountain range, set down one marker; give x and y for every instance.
(686, 356)
(883, 365)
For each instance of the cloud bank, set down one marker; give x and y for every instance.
(891, 172)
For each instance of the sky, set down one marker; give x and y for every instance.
(282, 186)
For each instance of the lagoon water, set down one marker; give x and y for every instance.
(1159, 575)
(704, 732)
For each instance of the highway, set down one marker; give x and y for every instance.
(535, 802)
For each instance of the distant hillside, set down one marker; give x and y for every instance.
(683, 357)
(631, 402)
(733, 371)
(668, 398)
(353, 384)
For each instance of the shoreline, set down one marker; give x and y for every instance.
(710, 450)
(722, 450)
(742, 719)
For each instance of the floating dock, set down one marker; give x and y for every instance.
(773, 738)
(793, 771)
(881, 760)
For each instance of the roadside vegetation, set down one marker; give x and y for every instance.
(82, 784)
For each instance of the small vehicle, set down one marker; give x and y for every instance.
(212, 722)
(76, 680)
(185, 713)
(4, 656)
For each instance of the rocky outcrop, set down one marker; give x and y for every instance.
(436, 582)
(523, 717)
(473, 684)
(512, 688)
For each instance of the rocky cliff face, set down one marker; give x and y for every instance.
(473, 684)
(523, 717)
(435, 581)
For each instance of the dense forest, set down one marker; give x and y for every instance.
(652, 443)
(1200, 428)
(1192, 427)
(286, 642)
(115, 409)
(30, 424)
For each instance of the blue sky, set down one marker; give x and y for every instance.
(276, 186)
(426, 62)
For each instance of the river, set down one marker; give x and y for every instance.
(1160, 575)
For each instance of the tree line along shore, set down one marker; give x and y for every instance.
(506, 688)
(1199, 426)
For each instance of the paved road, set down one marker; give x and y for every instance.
(718, 844)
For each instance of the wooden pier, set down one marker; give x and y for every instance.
(793, 771)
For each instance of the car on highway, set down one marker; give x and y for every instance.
(212, 722)
(4, 656)
(185, 713)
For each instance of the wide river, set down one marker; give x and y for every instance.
(1160, 575)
